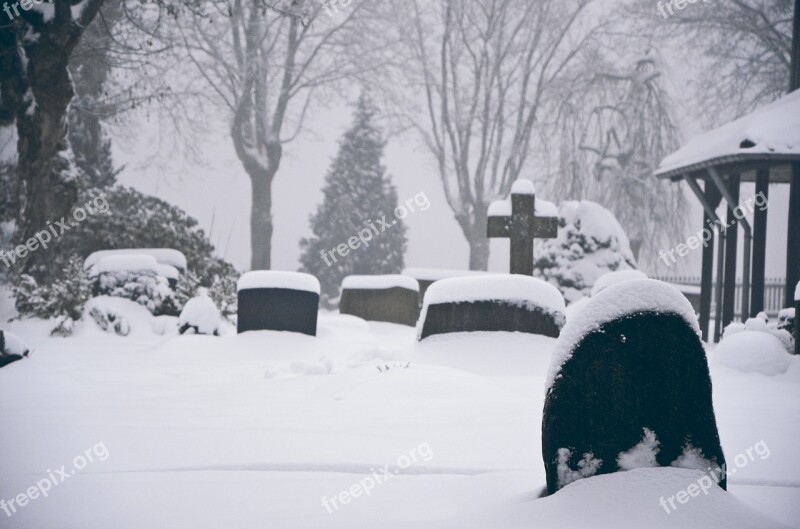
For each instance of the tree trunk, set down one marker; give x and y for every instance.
(475, 231)
(45, 169)
(479, 252)
(261, 220)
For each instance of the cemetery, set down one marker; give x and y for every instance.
(545, 370)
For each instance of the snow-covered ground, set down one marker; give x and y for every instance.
(253, 431)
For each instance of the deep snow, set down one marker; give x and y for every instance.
(252, 431)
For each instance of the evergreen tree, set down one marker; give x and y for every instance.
(357, 193)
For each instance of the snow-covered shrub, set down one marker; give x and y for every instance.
(590, 243)
(760, 324)
(786, 320)
(134, 277)
(223, 292)
(135, 220)
(200, 316)
(64, 298)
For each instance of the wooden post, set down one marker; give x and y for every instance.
(713, 197)
(793, 239)
(731, 247)
(759, 244)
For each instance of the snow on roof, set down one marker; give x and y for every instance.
(435, 274)
(167, 256)
(502, 208)
(523, 186)
(612, 278)
(773, 130)
(490, 287)
(380, 282)
(126, 263)
(275, 279)
(616, 301)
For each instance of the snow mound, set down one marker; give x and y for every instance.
(753, 352)
(612, 278)
(616, 301)
(797, 292)
(379, 282)
(125, 263)
(760, 325)
(119, 316)
(275, 279)
(14, 345)
(168, 271)
(166, 256)
(200, 315)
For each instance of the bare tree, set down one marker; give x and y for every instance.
(746, 43)
(487, 69)
(613, 128)
(265, 64)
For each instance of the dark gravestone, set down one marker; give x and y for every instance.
(520, 223)
(629, 376)
(278, 301)
(9, 354)
(393, 299)
(524, 313)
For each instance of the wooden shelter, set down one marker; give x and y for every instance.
(761, 147)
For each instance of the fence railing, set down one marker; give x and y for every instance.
(773, 293)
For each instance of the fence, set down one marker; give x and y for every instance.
(773, 293)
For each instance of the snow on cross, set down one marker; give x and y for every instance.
(518, 221)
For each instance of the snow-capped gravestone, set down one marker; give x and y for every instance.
(514, 303)
(389, 298)
(200, 316)
(629, 387)
(12, 348)
(278, 301)
(522, 219)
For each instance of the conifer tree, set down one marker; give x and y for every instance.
(357, 194)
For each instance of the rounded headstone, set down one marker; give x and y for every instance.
(388, 298)
(628, 387)
(513, 303)
(278, 301)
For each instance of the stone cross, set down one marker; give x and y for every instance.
(518, 221)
